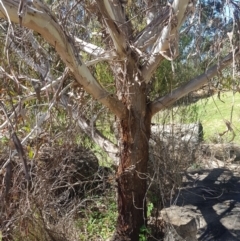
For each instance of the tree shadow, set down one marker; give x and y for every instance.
(216, 194)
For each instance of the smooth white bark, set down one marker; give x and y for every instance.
(114, 20)
(42, 21)
(89, 48)
(194, 84)
(165, 32)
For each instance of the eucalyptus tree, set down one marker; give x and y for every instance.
(133, 38)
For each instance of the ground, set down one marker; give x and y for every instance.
(214, 195)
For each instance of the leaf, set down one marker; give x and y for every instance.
(30, 152)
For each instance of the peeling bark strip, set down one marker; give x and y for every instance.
(21, 154)
(165, 33)
(8, 180)
(114, 18)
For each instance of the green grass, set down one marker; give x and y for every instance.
(213, 113)
(99, 224)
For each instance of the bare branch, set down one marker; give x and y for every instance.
(21, 153)
(109, 147)
(100, 59)
(161, 35)
(89, 48)
(40, 19)
(49, 87)
(43, 66)
(194, 84)
(96, 51)
(114, 19)
(150, 33)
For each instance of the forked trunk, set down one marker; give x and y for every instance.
(132, 171)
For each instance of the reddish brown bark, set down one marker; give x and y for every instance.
(132, 184)
(132, 171)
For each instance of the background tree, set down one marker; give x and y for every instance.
(132, 38)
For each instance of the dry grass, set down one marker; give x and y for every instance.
(65, 181)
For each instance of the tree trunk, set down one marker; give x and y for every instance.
(131, 178)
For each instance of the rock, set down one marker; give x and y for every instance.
(178, 133)
(214, 163)
(215, 194)
(184, 220)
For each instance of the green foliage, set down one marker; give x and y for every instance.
(4, 140)
(144, 233)
(102, 156)
(163, 80)
(99, 221)
(149, 209)
(180, 114)
(169, 76)
(189, 114)
(30, 152)
(137, 20)
(49, 1)
(154, 198)
(104, 75)
(185, 40)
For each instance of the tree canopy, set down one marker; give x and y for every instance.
(123, 55)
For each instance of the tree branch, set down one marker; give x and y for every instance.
(163, 33)
(110, 148)
(91, 131)
(194, 84)
(42, 21)
(114, 19)
(42, 65)
(96, 51)
(150, 33)
(89, 48)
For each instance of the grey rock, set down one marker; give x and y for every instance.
(184, 223)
